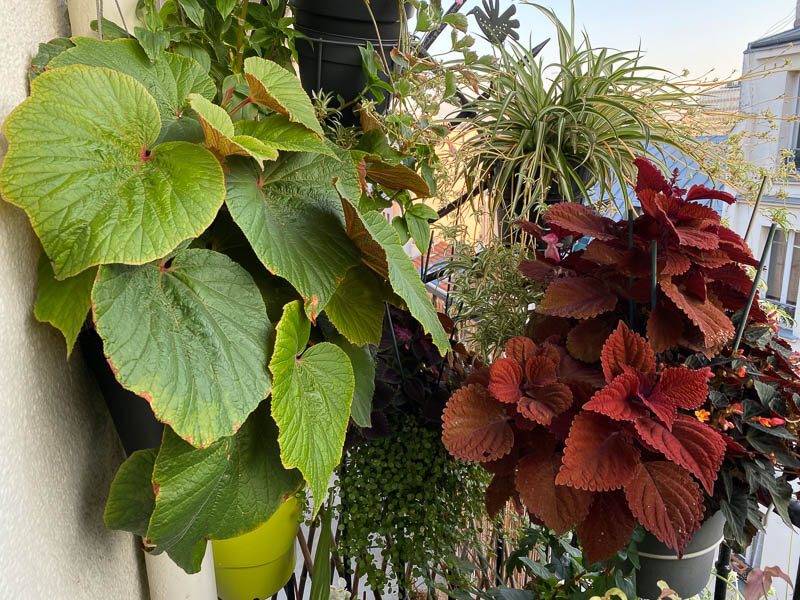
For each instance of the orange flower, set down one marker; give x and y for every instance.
(741, 371)
(765, 422)
(702, 415)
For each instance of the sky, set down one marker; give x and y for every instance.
(698, 35)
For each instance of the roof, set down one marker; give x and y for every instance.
(776, 40)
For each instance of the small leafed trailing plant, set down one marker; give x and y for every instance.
(185, 236)
(590, 423)
(400, 491)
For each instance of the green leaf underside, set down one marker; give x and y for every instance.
(294, 222)
(219, 133)
(357, 306)
(192, 338)
(131, 499)
(47, 52)
(64, 304)
(75, 164)
(311, 399)
(276, 88)
(404, 277)
(363, 363)
(278, 131)
(225, 490)
(169, 80)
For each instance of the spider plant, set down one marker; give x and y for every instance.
(538, 130)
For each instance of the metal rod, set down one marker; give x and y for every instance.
(751, 297)
(394, 342)
(630, 279)
(755, 207)
(723, 567)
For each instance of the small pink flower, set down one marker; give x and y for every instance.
(551, 239)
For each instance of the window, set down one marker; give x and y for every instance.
(783, 269)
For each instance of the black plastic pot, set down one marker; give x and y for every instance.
(688, 575)
(135, 422)
(329, 58)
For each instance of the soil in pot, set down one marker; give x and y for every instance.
(687, 575)
(329, 57)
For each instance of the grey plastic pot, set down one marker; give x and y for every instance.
(688, 575)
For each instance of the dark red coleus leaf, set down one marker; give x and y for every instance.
(475, 426)
(560, 507)
(715, 326)
(666, 501)
(691, 444)
(665, 326)
(603, 253)
(701, 192)
(619, 399)
(607, 528)
(585, 340)
(626, 349)
(598, 456)
(499, 491)
(520, 349)
(694, 283)
(531, 228)
(686, 388)
(731, 275)
(546, 327)
(581, 219)
(541, 370)
(546, 402)
(577, 297)
(675, 264)
(538, 270)
(701, 239)
(650, 177)
(505, 377)
(699, 215)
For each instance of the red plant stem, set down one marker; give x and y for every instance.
(240, 106)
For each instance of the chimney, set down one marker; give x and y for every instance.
(797, 15)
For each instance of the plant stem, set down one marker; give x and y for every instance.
(240, 106)
(240, 37)
(756, 280)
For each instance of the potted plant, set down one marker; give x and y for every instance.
(591, 421)
(400, 491)
(185, 237)
(538, 134)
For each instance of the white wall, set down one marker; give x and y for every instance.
(58, 449)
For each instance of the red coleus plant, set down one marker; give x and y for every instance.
(599, 460)
(699, 269)
(587, 428)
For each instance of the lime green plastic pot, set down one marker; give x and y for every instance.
(259, 563)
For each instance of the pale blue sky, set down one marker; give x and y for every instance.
(695, 34)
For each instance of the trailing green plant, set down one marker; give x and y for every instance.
(186, 236)
(405, 496)
(578, 122)
(400, 491)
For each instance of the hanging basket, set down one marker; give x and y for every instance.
(687, 575)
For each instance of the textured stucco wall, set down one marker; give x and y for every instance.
(58, 449)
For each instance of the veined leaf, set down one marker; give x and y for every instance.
(64, 304)
(276, 88)
(131, 499)
(225, 7)
(170, 80)
(311, 398)
(292, 216)
(80, 164)
(47, 52)
(220, 137)
(152, 42)
(362, 359)
(278, 131)
(384, 253)
(357, 306)
(189, 334)
(227, 489)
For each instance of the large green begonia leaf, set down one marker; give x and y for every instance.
(357, 306)
(292, 216)
(278, 131)
(220, 136)
(80, 164)
(311, 397)
(225, 490)
(191, 335)
(169, 80)
(131, 499)
(64, 304)
(383, 252)
(278, 89)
